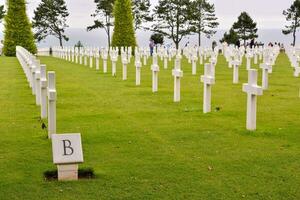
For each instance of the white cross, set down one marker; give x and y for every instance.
(252, 90)
(51, 93)
(207, 79)
(155, 70)
(266, 69)
(177, 73)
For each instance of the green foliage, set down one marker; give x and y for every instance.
(50, 19)
(230, 38)
(141, 12)
(245, 27)
(124, 34)
(203, 18)
(78, 44)
(172, 17)
(157, 38)
(17, 29)
(2, 12)
(292, 15)
(104, 15)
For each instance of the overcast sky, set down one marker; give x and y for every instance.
(267, 13)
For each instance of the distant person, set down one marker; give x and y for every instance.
(151, 45)
(214, 45)
(270, 44)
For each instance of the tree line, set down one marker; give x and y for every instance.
(173, 19)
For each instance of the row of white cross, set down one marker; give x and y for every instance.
(44, 89)
(234, 57)
(66, 148)
(293, 54)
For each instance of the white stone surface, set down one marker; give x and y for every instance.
(67, 172)
(252, 90)
(155, 70)
(67, 148)
(265, 75)
(38, 83)
(208, 80)
(43, 92)
(177, 73)
(51, 93)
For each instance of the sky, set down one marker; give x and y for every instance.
(267, 13)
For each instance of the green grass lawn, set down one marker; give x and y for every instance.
(143, 146)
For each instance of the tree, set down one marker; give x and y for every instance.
(204, 19)
(157, 38)
(78, 44)
(245, 27)
(230, 38)
(172, 19)
(124, 35)
(141, 12)
(292, 15)
(50, 19)
(2, 12)
(17, 29)
(104, 12)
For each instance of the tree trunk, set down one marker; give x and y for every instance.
(177, 44)
(199, 38)
(60, 40)
(108, 36)
(294, 37)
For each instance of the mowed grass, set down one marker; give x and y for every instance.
(142, 145)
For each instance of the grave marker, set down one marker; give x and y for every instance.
(43, 92)
(252, 90)
(38, 83)
(177, 73)
(266, 68)
(67, 153)
(51, 104)
(155, 70)
(208, 80)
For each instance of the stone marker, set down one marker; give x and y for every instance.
(252, 90)
(43, 92)
(138, 66)
(97, 61)
(266, 68)
(124, 62)
(166, 57)
(248, 57)
(38, 83)
(177, 73)
(104, 57)
(32, 68)
(296, 68)
(255, 58)
(67, 153)
(208, 80)
(51, 104)
(114, 59)
(76, 55)
(155, 70)
(194, 63)
(85, 54)
(80, 55)
(235, 71)
(91, 59)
